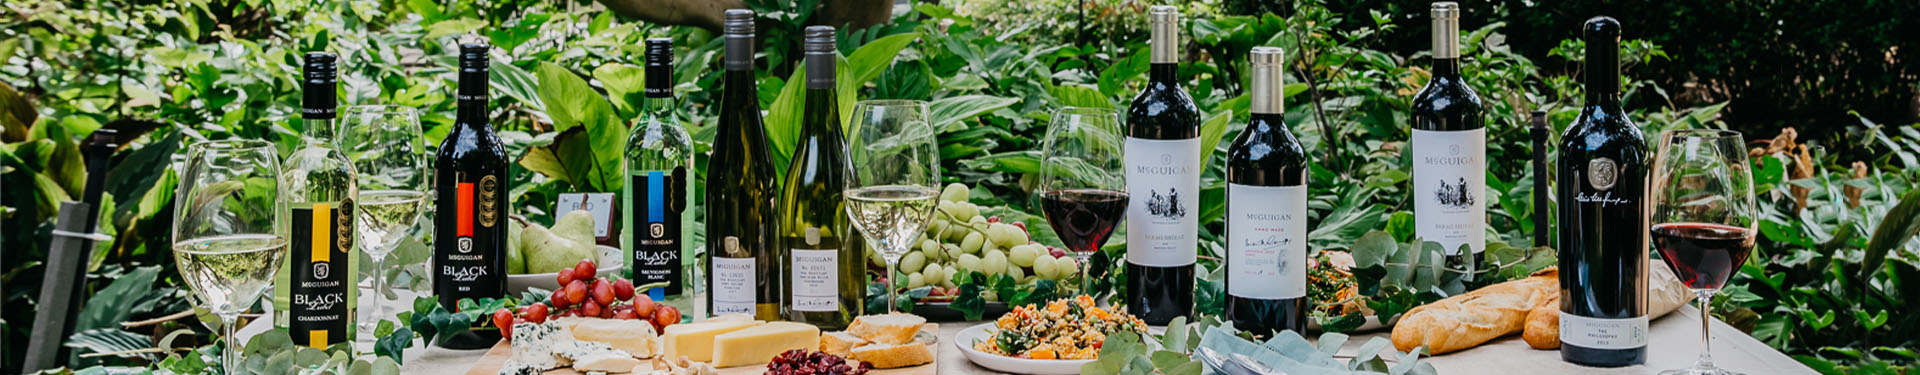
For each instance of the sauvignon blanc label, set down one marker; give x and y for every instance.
(657, 200)
(816, 280)
(733, 283)
(1267, 241)
(1163, 177)
(322, 246)
(1599, 333)
(1449, 188)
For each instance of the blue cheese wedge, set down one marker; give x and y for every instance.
(533, 346)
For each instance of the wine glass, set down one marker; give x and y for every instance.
(1704, 215)
(230, 229)
(383, 142)
(894, 182)
(1082, 190)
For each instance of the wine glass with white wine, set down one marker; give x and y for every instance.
(895, 179)
(385, 145)
(230, 228)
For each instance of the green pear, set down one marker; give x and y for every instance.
(516, 261)
(576, 225)
(548, 252)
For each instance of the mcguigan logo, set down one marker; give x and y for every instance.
(1453, 158)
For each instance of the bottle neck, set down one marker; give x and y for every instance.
(471, 114)
(1603, 74)
(656, 105)
(319, 131)
(1446, 67)
(1164, 74)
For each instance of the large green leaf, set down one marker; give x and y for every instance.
(625, 84)
(1071, 95)
(592, 159)
(955, 111)
(114, 304)
(1210, 133)
(1899, 226)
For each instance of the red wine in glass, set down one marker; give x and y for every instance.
(1703, 255)
(1083, 217)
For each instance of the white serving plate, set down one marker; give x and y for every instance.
(966, 337)
(611, 262)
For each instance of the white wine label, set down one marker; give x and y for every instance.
(816, 280)
(733, 283)
(1163, 177)
(656, 199)
(321, 280)
(1599, 333)
(1449, 188)
(600, 205)
(1267, 241)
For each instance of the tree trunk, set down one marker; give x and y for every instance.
(706, 14)
(853, 14)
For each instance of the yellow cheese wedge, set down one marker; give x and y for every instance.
(636, 337)
(760, 344)
(695, 340)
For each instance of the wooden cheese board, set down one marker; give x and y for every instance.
(496, 358)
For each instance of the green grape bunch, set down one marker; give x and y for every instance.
(959, 240)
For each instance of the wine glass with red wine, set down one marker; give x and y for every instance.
(1083, 190)
(1704, 217)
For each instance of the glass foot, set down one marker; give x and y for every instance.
(1700, 369)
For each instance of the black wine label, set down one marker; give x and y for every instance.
(470, 245)
(322, 249)
(659, 198)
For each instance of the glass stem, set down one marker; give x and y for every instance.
(892, 305)
(230, 357)
(1086, 274)
(1706, 342)
(379, 294)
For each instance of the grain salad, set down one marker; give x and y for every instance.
(1065, 329)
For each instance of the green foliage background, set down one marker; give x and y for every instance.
(1823, 286)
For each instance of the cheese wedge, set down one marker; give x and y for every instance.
(760, 344)
(695, 340)
(840, 343)
(633, 336)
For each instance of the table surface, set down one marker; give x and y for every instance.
(1674, 343)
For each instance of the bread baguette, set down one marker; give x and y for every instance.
(1467, 320)
(894, 356)
(1665, 293)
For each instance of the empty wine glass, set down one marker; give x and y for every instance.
(895, 179)
(384, 142)
(1704, 215)
(1082, 190)
(230, 229)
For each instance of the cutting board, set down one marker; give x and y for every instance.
(497, 358)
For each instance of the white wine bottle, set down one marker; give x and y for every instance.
(741, 229)
(659, 162)
(315, 300)
(826, 269)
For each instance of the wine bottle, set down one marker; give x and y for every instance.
(1449, 146)
(1163, 176)
(315, 296)
(826, 285)
(1603, 220)
(470, 204)
(659, 162)
(1267, 212)
(741, 229)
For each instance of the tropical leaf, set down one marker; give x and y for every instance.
(592, 157)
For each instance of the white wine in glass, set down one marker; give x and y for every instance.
(230, 230)
(892, 188)
(227, 273)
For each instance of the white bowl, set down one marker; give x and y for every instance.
(966, 337)
(611, 261)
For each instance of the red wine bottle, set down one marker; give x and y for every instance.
(1267, 213)
(1602, 187)
(742, 227)
(1163, 177)
(1449, 146)
(470, 200)
(1703, 255)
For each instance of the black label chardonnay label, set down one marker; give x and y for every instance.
(322, 247)
(658, 201)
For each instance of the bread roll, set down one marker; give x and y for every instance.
(1665, 293)
(1467, 320)
(895, 328)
